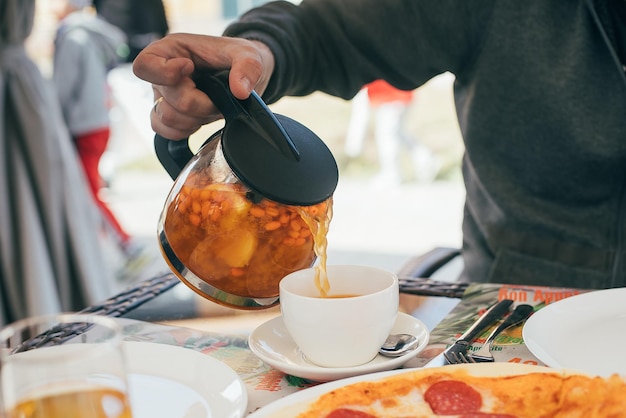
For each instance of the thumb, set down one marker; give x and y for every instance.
(240, 84)
(251, 69)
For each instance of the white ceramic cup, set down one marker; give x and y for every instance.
(340, 332)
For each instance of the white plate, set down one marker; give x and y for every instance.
(175, 382)
(297, 403)
(584, 332)
(272, 343)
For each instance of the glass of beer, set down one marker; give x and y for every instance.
(63, 366)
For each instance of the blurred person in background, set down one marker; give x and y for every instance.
(86, 48)
(540, 94)
(143, 21)
(51, 258)
(390, 107)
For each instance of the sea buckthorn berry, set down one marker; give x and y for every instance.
(195, 219)
(257, 212)
(272, 226)
(272, 211)
(205, 194)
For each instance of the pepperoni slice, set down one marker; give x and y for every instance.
(452, 397)
(349, 413)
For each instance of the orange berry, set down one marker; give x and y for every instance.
(272, 211)
(205, 194)
(257, 212)
(295, 224)
(272, 226)
(195, 219)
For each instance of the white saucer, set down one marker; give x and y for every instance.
(272, 343)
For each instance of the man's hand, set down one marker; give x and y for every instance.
(180, 108)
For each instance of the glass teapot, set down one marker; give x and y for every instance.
(250, 206)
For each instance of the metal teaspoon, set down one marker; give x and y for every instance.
(397, 345)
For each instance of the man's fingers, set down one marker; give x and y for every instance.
(160, 70)
(173, 124)
(169, 64)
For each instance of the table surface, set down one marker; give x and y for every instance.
(265, 384)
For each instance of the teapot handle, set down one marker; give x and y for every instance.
(174, 155)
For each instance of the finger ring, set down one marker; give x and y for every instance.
(156, 103)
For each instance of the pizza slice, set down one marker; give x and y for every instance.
(488, 391)
(592, 397)
(398, 396)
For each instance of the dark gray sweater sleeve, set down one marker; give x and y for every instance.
(337, 46)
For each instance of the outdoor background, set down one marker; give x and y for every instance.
(380, 226)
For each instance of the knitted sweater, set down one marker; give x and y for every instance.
(541, 100)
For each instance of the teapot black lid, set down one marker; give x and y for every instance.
(304, 177)
(274, 155)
